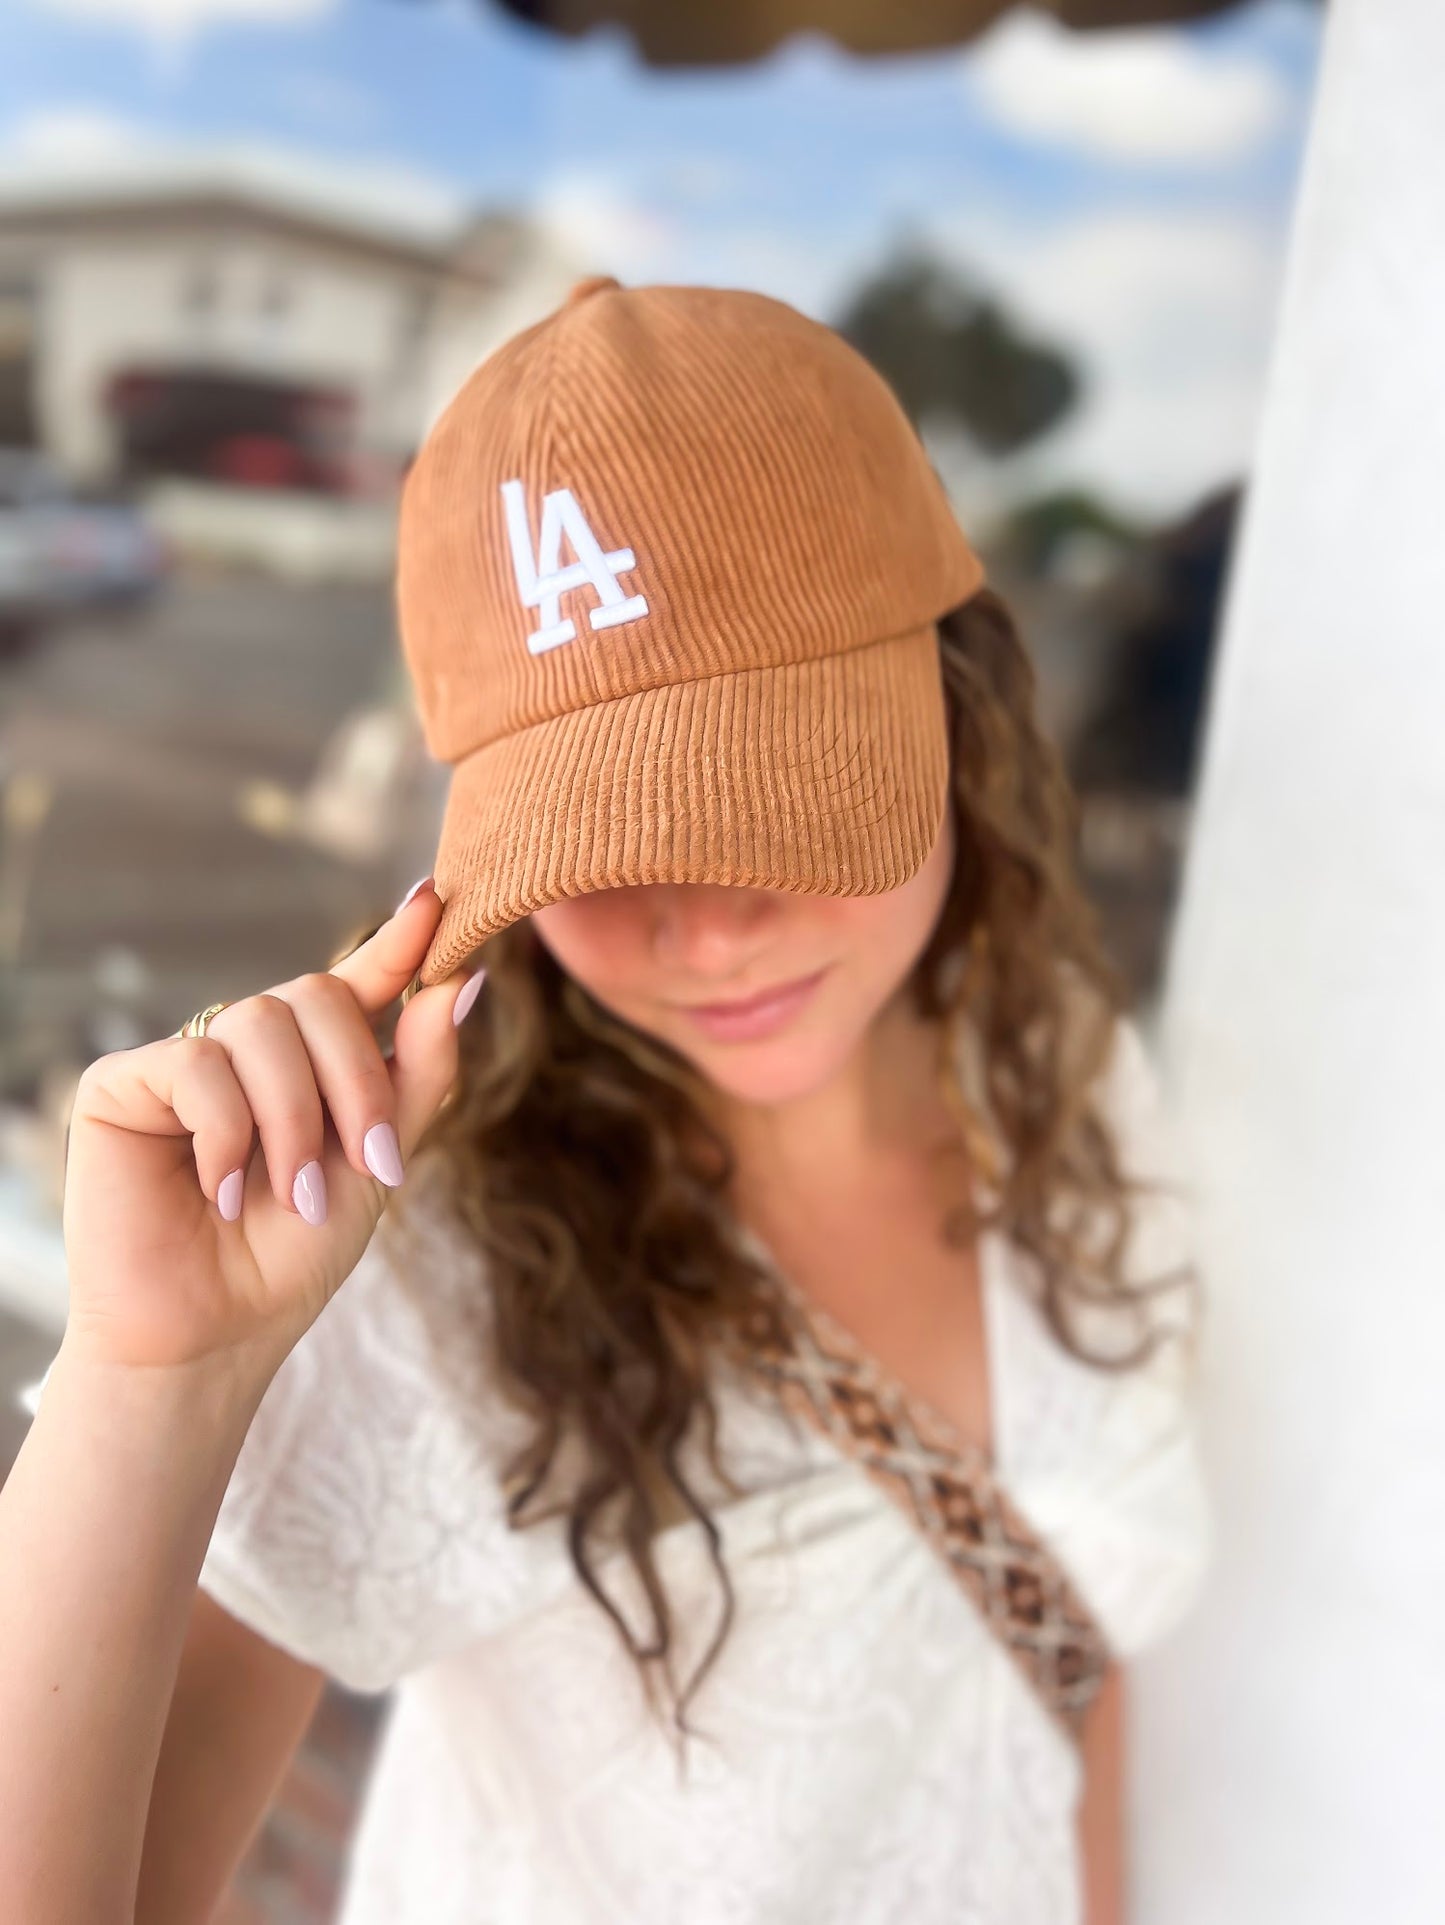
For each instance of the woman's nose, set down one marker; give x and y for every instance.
(710, 927)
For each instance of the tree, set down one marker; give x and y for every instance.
(953, 355)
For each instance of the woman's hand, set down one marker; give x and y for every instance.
(158, 1274)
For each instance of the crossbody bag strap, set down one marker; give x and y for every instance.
(1018, 1584)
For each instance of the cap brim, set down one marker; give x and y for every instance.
(825, 776)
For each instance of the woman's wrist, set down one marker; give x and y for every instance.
(212, 1397)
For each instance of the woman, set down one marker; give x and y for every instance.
(759, 1433)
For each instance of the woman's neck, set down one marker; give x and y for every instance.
(884, 1108)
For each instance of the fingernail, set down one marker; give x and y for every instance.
(471, 988)
(228, 1197)
(308, 1192)
(382, 1153)
(410, 893)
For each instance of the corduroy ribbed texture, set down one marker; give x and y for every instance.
(776, 716)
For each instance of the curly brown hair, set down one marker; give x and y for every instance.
(575, 1151)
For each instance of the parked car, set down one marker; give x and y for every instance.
(63, 550)
(25, 599)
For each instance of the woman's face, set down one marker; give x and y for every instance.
(663, 955)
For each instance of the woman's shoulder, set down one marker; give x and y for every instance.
(1106, 1457)
(1112, 1049)
(1161, 1238)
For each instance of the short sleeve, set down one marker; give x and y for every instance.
(1108, 1463)
(364, 1527)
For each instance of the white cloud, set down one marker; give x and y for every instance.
(170, 27)
(1145, 95)
(179, 19)
(82, 152)
(1169, 317)
(603, 220)
(593, 217)
(78, 137)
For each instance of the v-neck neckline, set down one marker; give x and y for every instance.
(835, 1336)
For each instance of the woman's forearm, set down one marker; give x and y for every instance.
(1101, 1811)
(104, 1522)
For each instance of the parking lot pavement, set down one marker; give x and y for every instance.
(153, 881)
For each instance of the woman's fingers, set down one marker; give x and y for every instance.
(196, 1090)
(282, 1062)
(350, 1071)
(272, 1064)
(158, 1134)
(378, 970)
(424, 1059)
(425, 1053)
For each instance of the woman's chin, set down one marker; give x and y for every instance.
(766, 1074)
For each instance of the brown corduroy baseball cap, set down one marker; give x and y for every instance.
(669, 564)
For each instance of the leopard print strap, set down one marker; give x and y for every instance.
(945, 1485)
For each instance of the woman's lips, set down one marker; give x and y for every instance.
(759, 1015)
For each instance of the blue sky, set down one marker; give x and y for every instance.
(1129, 193)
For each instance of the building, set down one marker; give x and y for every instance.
(222, 332)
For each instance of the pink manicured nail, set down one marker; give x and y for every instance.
(471, 988)
(382, 1153)
(228, 1196)
(410, 893)
(308, 1192)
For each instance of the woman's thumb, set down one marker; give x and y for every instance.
(425, 1055)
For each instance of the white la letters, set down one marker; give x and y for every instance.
(541, 580)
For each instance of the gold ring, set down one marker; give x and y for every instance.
(198, 1024)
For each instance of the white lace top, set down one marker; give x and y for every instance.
(876, 1755)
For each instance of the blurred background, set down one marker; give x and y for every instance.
(248, 249)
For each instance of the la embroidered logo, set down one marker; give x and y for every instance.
(541, 578)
